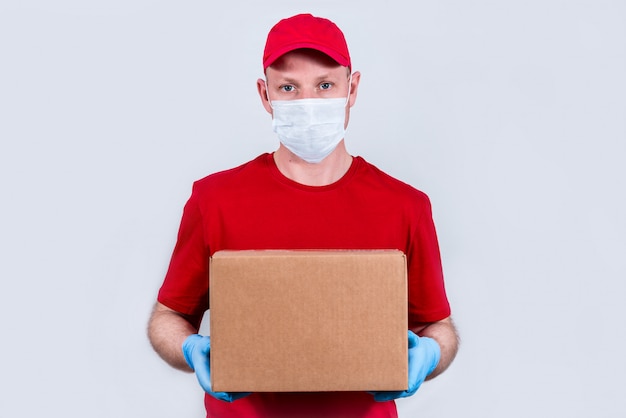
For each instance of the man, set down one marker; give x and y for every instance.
(309, 194)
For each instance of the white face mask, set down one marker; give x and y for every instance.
(310, 128)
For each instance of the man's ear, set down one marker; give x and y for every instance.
(354, 86)
(261, 87)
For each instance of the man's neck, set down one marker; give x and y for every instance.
(326, 172)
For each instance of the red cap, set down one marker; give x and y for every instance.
(306, 31)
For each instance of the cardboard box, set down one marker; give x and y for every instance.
(298, 321)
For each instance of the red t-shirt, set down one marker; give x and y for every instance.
(254, 206)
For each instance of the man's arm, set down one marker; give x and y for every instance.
(444, 332)
(167, 329)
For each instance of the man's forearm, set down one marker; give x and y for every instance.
(444, 332)
(167, 330)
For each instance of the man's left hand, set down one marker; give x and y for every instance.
(424, 354)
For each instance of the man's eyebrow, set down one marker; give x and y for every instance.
(319, 78)
(287, 80)
(280, 80)
(328, 76)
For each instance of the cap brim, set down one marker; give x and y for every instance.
(337, 57)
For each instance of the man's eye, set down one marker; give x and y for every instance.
(325, 86)
(287, 88)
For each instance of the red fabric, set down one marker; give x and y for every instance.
(302, 405)
(254, 206)
(306, 31)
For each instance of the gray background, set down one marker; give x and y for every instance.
(511, 115)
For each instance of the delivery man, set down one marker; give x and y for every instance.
(308, 194)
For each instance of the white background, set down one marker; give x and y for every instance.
(511, 115)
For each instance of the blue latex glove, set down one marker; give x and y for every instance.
(424, 354)
(196, 349)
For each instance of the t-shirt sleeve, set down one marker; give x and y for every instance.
(427, 296)
(186, 285)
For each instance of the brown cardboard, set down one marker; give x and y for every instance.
(297, 321)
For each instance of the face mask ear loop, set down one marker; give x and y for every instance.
(267, 93)
(349, 88)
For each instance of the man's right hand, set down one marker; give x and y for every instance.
(196, 349)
